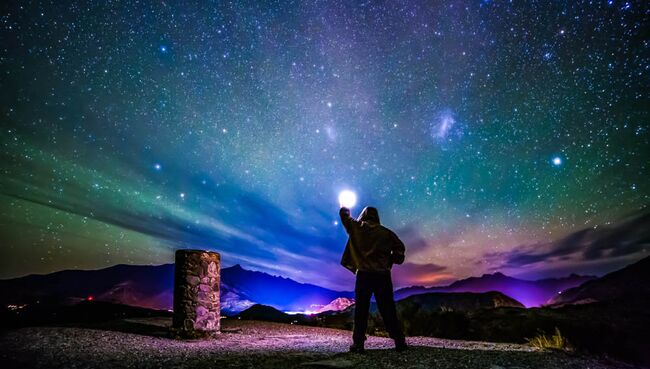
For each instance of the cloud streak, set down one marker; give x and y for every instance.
(626, 237)
(229, 219)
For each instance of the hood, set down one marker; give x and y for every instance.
(369, 214)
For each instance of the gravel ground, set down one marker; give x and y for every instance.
(141, 343)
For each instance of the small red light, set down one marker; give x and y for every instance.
(90, 298)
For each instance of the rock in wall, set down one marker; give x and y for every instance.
(197, 275)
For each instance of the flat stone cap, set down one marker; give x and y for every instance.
(196, 251)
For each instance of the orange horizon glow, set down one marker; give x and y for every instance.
(431, 278)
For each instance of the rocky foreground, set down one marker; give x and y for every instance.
(142, 343)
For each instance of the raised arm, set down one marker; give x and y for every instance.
(346, 219)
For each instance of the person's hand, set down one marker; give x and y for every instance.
(344, 211)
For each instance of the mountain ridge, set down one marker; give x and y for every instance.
(531, 293)
(151, 286)
(617, 285)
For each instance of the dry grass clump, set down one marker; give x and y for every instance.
(555, 342)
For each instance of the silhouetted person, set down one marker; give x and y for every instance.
(370, 252)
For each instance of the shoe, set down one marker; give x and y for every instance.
(356, 348)
(401, 346)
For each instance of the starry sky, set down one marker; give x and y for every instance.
(491, 135)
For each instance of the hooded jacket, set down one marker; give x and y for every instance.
(371, 247)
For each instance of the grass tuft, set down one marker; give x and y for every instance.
(555, 342)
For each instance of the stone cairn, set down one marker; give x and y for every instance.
(197, 276)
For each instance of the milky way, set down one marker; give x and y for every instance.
(485, 132)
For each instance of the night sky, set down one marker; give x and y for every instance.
(491, 135)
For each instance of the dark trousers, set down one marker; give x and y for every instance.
(382, 286)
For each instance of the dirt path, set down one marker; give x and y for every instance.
(248, 344)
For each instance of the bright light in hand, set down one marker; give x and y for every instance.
(347, 199)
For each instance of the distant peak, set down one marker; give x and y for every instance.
(497, 274)
(236, 267)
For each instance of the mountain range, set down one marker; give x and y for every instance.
(152, 287)
(624, 285)
(529, 293)
(415, 306)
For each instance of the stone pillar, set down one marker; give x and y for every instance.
(197, 275)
